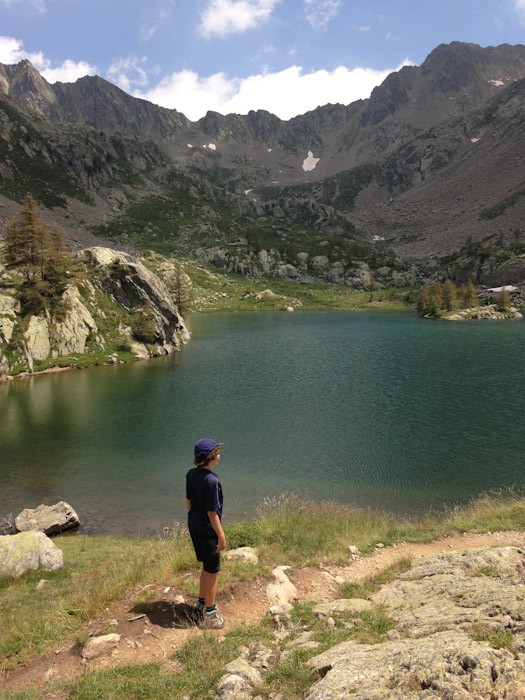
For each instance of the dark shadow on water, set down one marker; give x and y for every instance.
(163, 613)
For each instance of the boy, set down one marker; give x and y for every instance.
(204, 501)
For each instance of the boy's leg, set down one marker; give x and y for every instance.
(208, 587)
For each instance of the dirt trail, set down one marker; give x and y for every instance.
(154, 635)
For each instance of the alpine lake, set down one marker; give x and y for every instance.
(375, 410)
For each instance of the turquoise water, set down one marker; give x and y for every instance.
(365, 409)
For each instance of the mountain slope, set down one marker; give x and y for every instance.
(429, 164)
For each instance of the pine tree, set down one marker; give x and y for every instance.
(450, 296)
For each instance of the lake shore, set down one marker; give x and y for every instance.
(144, 580)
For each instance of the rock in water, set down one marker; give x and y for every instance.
(50, 520)
(28, 551)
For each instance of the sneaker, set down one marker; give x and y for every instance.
(211, 620)
(196, 613)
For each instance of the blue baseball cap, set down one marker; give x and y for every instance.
(206, 445)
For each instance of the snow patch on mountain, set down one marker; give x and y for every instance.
(310, 162)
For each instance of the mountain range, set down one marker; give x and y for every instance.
(426, 177)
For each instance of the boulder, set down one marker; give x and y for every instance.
(449, 663)
(28, 551)
(447, 609)
(282, 590)
(266, 294)
(287, 271)
(98, 646)
(302, 261)
(319, 263)
(50, 520)
(234, 687)
(242, 668)
(242, 554)
(458, 590)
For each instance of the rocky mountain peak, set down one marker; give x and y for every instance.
(23, 83)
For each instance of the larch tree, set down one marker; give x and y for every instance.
(181, 287)
(503, 299)
(37, 251)
(423, 300)
(450, 296)
(469, 295)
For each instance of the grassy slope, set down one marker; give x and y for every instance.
(99, 570)
(221, 291)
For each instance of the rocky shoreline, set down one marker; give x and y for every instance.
(115, 310)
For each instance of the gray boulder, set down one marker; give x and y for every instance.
(444, 665)
(319, 263)
(458, 590)
(242, 554)
(28, 551)
(50, 520)
(99, 646)
(447, 609)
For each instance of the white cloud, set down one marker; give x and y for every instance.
(12, 51)
(129, 73)
(286, 93)
(67, 72)
(362, 28)
(191, 94)
(320, 12)
(222, 17)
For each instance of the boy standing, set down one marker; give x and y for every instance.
(204, 501)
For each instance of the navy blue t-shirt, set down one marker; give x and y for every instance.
(204, 491)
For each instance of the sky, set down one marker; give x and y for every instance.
(233, 56)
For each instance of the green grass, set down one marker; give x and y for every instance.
(214, 290)
(496, 637)
(97, 570)
(290, 675)
(373, 583)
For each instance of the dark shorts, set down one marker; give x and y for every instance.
(206, 551)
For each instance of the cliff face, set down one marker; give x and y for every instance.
(115, 309)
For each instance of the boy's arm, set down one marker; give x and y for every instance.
(217, 527)
(188, 503)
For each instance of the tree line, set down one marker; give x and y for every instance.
(434, 299)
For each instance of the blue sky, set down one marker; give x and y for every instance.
(286, 56)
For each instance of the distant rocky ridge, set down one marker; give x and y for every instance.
(115, 309)
(427, 166)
